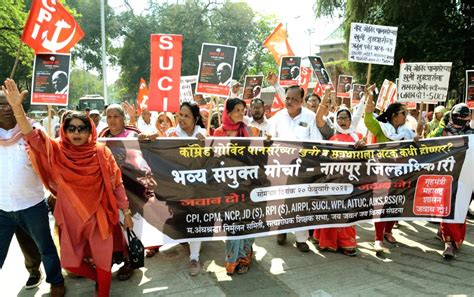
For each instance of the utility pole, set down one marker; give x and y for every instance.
(104, 59)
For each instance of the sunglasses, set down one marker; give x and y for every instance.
(83, 129)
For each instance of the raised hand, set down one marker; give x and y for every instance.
(129, 109)
(14, 97)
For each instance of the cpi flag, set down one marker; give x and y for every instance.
(142, 97)
(50, 28)
(165, 72)
(277, 44)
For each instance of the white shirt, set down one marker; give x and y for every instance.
(101, 126)
(411, 123)
(301, 127)
(20, 187)
(54, 123)
(263, 127)
(144, 127)
(181, 133)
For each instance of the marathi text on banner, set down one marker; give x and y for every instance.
(234, 188)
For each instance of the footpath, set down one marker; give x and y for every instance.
(413, 267)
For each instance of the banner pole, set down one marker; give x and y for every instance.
(216, 103)
(16, 60)
(419, 119)
(209, 119)
(367, 85)
(49, 121)
(369, 70)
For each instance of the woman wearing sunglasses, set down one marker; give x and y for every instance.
(389, 126)
(87, 182)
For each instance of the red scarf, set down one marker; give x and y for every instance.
(229, 125)
(87, 174)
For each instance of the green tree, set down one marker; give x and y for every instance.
(233, 24)
(82, 83)
(198, 21)
(261, 61)
(13, 15)
(428, 31)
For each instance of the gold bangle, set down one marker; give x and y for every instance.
(127, 212)
(323, 105)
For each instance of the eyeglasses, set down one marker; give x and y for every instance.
(83, 129)
(343, 118)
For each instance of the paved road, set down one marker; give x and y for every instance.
(414, 267)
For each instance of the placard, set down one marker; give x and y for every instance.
(470, 88)
(290, 71)
(216, 68)
(319, 71)
(424, 82)
(372, 44)
(344, 86)
(358, 91)
(50, 85)
(387, 95)
(252, 88)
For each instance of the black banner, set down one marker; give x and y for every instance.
(248, 187)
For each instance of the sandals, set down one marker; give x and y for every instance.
(125, 272)
(151, 252)
(389, 238)
(349, 252)
(242, 269)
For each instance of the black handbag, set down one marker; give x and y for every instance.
(136, 250)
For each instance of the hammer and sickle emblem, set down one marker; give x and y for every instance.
(54, 45)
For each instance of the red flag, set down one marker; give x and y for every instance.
(277, 104)
(142, 97)
(165, 72)
(50, 28)
(305, 77)
(318, 90)
(277, 44)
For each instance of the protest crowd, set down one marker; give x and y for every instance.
(61, 164)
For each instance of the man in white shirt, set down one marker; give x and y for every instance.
(22, 203)
(258, 119)
(96, 118)
(54, 123)
(294, 122)
(146, 122)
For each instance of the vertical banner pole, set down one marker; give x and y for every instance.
(49, 121)
(16, 60)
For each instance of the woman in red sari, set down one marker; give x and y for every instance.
(341, 238)
(87, 182)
